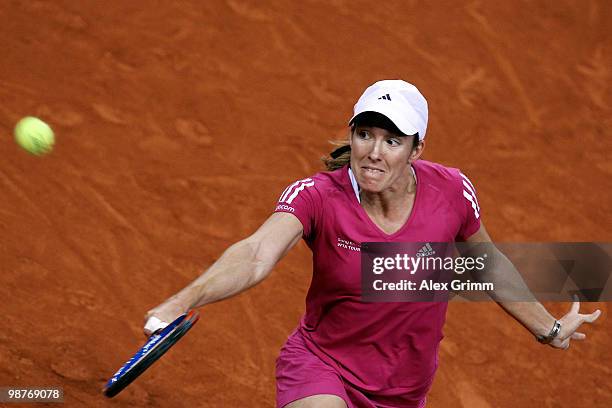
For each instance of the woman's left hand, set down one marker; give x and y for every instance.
(570, 323)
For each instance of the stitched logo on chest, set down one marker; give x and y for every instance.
(346, 244)
(427, 250)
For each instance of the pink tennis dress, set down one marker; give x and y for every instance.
(369, 354)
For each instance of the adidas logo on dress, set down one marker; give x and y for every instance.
(427, 250)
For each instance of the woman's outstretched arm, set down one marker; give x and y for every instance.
(523, 305)
(242, 266)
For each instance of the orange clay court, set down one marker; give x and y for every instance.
(178, 125)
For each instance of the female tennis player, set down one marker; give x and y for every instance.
(346, 352)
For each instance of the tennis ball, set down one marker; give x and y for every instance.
(34, 135)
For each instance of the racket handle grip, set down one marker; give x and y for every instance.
(154, 325)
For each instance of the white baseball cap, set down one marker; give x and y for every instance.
(399, 101)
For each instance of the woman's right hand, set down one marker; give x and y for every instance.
(162, 315)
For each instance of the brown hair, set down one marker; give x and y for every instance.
(340, 156)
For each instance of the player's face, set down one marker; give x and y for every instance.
(380, 159)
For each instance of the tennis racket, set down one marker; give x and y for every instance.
(154, 348)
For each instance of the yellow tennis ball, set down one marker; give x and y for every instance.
(34, 135)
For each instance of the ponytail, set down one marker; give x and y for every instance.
(339, 157)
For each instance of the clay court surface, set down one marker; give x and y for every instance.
(178, 125)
